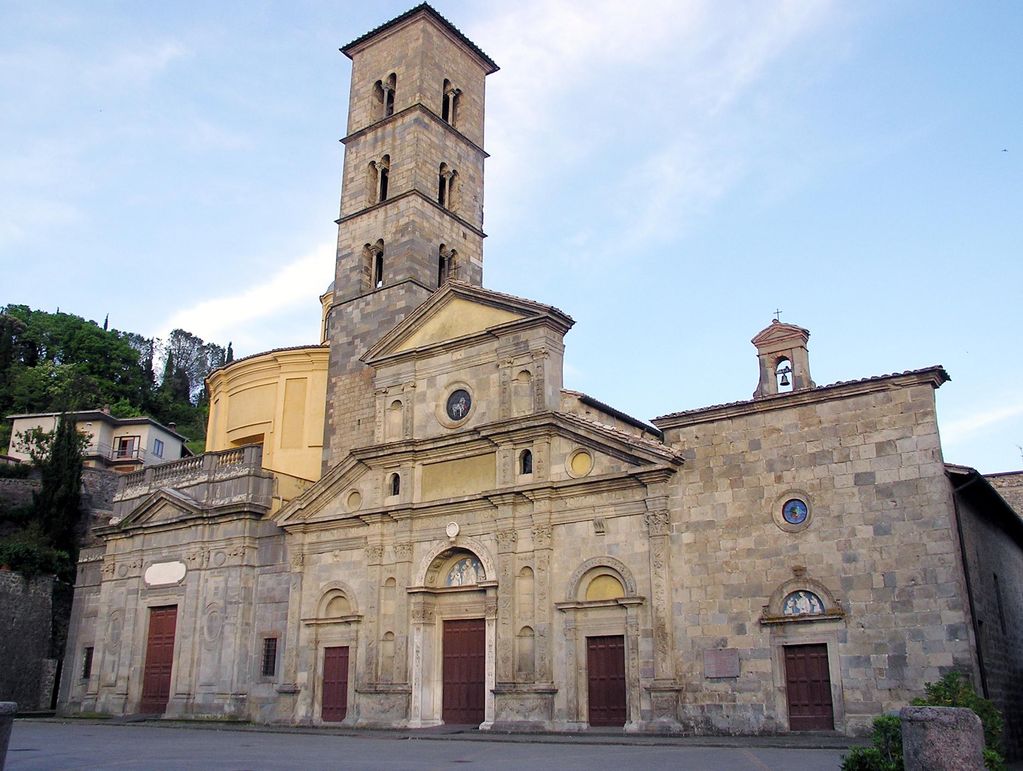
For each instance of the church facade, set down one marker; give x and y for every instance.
(484, 546)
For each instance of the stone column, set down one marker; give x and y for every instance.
(505, 388)
(941, 739)
(287, 709)
(402, 573)
(542, 591)
(374, 558)
(632, 667)
(664, 691)
(490, 666)
(506, 540)
(421, 618)
(570, 676)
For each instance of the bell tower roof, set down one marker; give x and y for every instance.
(783, 359)
(423, 9)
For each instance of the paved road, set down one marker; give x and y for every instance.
(87, 745)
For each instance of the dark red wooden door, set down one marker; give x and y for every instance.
(809, 688)
(464, 670)
(335, 684)
(605, 673)
(156, 677)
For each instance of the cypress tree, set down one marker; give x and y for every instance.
(57, 504)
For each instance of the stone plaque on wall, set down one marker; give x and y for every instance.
(721, 663)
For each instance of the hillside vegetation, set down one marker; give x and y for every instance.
(52, 362)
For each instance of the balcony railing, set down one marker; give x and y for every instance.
(114, 454)
(213, 478)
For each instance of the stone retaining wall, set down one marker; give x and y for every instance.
(26, 672)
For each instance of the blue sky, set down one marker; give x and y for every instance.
(668, 173)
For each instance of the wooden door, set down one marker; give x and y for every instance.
(156, 677)
(605, 674)
(808, 685)
(335, 684)
(464, 667)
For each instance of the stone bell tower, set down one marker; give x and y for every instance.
(411, 197)
(784, 359)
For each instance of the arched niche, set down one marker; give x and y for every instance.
(801, 599)
(336, 603)
(441, 558)
(394, 421)
(595, 568)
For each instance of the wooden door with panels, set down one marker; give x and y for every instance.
(808, 685)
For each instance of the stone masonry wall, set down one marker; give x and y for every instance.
(26, 672)
(1010, 486)
(17, 492)
(353, 328)
(995, 564)
(881, 538)
(422, 57)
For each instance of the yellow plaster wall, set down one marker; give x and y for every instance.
(454, 478)
(279, 396)
(458, 318)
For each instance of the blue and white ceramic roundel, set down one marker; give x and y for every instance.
(794, 511)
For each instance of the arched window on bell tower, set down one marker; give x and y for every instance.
(372, 183)
(378, 100)
(449, 102)
(443, 265)
(783, 374)
(389, 89)
(446, 186)
(384, 168)
(373, 262)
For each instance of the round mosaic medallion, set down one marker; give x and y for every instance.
(458, 405)
(794, 511)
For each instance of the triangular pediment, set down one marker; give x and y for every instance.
(331, 490)
(778, 332)
(462, 312)
(456, 318)
(165, 506)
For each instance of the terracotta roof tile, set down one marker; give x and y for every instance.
(941, 370)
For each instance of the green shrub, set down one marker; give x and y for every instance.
(954, 691)
(15, 470)
(28, 552)
(864, 759)
(993, 761)
(885, 755)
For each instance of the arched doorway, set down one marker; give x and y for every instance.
(453, 615)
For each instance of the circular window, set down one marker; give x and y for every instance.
(458, 405)
(354, 500)
(580, 463)
(792, 511)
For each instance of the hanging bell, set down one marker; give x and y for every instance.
(784, 379)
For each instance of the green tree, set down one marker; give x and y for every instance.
(194, 357)
(58, 503)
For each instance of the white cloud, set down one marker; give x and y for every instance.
(588, 74)
(250, 316)
(135, 66)
(960, 429)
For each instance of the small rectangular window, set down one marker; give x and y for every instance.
(158, 448)
(87, 663)
(269, 656)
